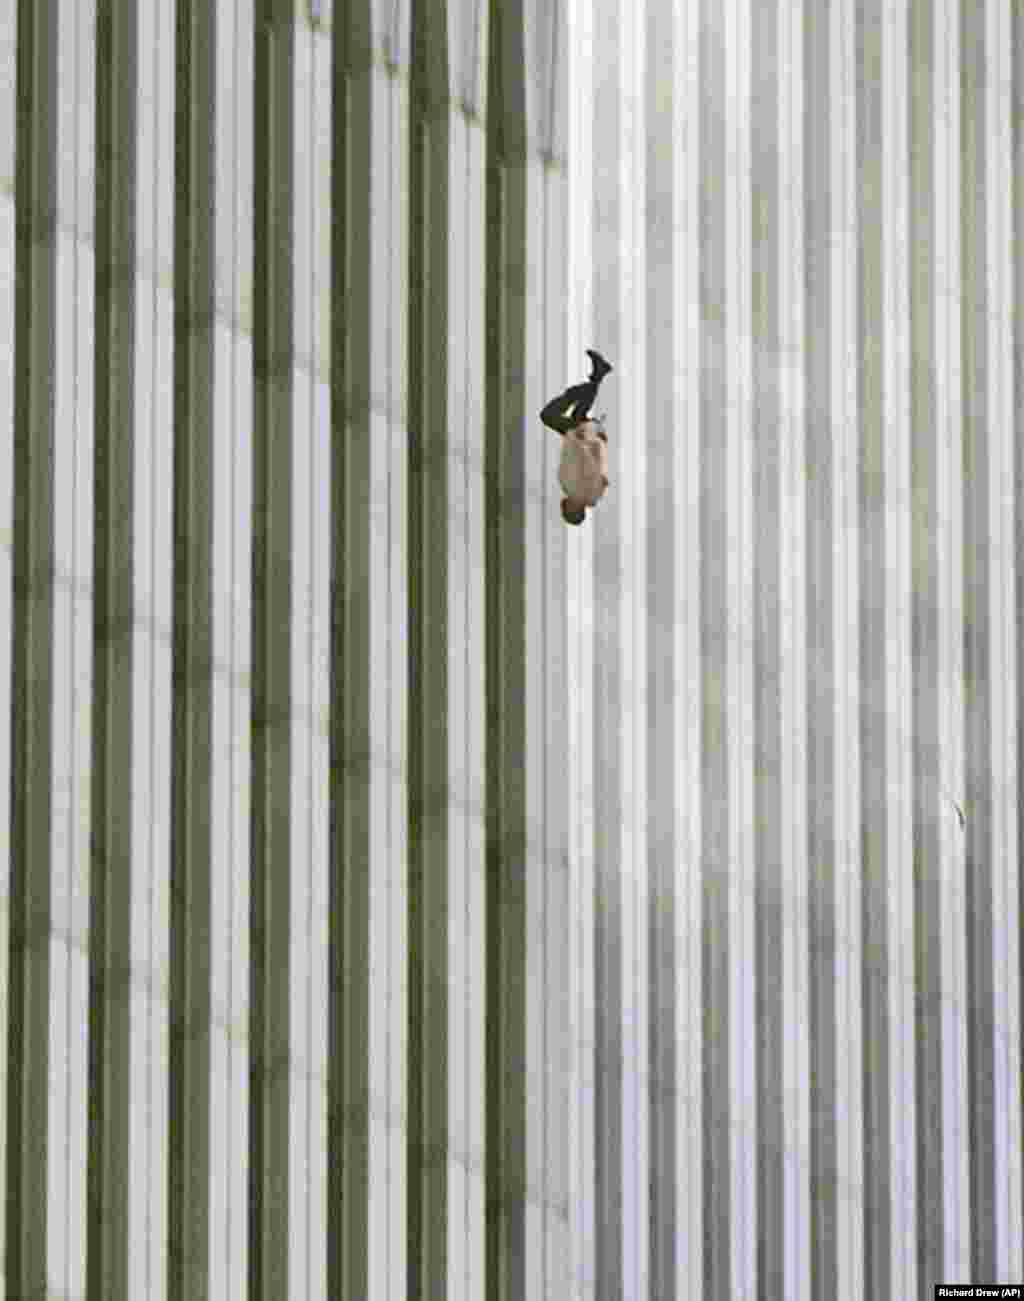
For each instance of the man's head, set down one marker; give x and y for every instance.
(573, 512)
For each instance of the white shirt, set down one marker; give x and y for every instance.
(583, 472)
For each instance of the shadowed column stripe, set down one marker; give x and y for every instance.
(428, 1138)
(189, 1064)
(28, 990)
(822, 846)
(977, 661)
(505, 651)
(930, 803)
(348, 983)
(714, 651)
(107, 1245)
(270, 898)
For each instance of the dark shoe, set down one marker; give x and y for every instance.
(600, 366)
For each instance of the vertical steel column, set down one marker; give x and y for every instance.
(28, 991)
(108, 1245)
(188, 1085)
(505, 1141)
(270, 899)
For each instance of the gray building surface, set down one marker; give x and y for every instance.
(403, 895)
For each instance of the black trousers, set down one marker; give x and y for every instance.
(578, 400)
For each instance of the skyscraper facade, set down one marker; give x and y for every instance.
(404, 894)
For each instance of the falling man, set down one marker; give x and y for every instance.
(583, 471)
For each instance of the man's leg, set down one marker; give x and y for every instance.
(578, 399)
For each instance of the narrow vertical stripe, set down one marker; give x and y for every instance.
(188, 1167)
(73, 677)
(271, 814)
(628, 403)
(505, 1117)
(610, 882)
(895, 443)
(152, 659)
(108, 1244)
(931, 804)
(580, 676)
(29, 978)
(820, 203)
(769, 575)
(1007, 1174)
(349, 902)
(231, 634)
(1016, 45)
(428, 978)
(976, 634)
(873, 591)
(716, 793)
(951, 799)
(689, 352)
(846, 889)
(8, 85)
(663, 527)
(794, 653)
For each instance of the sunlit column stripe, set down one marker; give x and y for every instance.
(606, 523)
(875, 684)
(108, 1244)
(822, 535)
(843, 892)
(546, 1204)
(950, 703)
(309, 664)
(772, 246)
(579, 687)
(466, 64)
(716, 791)
(689, 352)
(743, 1084)
(634, 615)
(230, 752)
(1016, 44)
(1005, 942)
(895, 446)
(975, 470)
(663, 528)
(476, 722)
(72, 470)
(535, 868)
(558, 905)
(932, 808)
(794, 810)
(147, 1175)
(389, 620)
(547, 1241)
(186, 1260)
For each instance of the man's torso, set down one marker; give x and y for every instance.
(583, 472)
